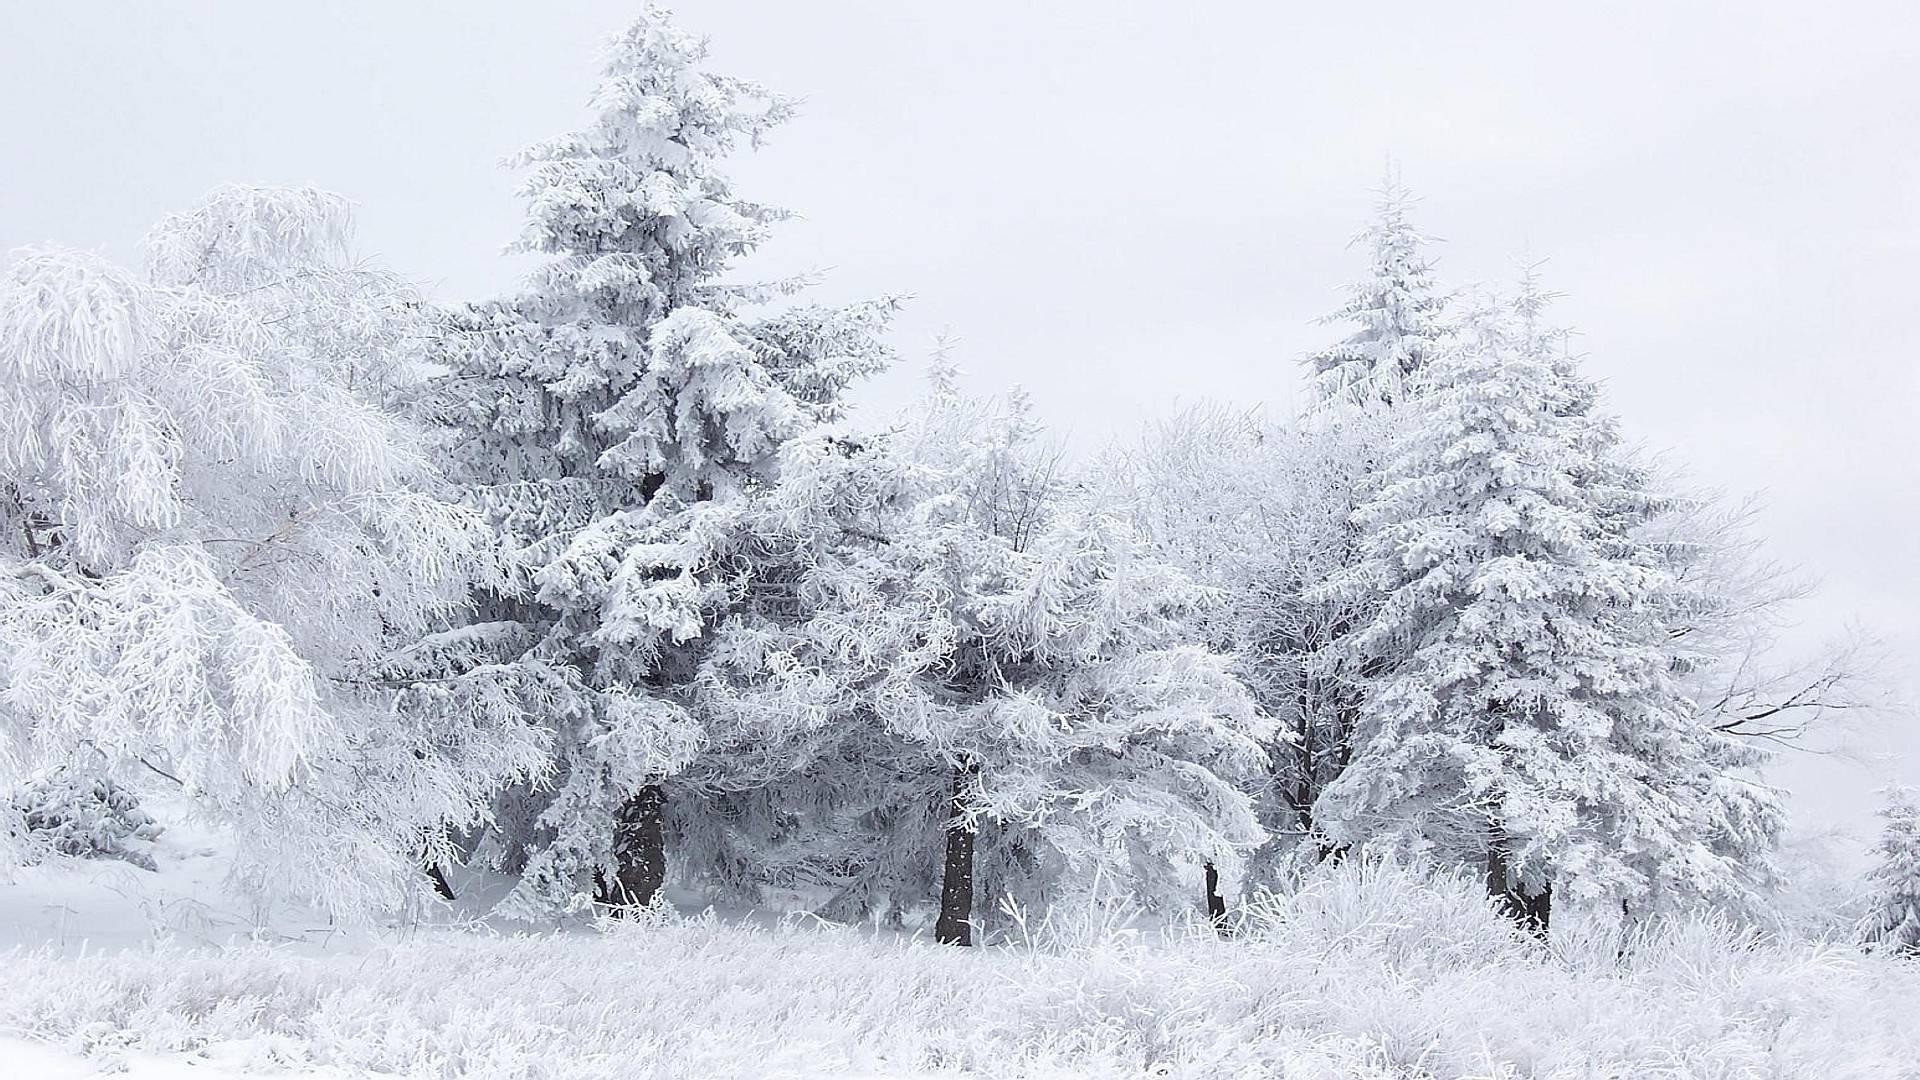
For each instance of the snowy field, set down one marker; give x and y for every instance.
(1379, 973)
(642, 656)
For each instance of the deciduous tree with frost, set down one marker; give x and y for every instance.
(627, 383)
(214, 539)
(1259, 512)
(1527, 717)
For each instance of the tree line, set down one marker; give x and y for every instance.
(596, 585)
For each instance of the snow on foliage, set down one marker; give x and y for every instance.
(1527, 713)
(1892, 922)
(1397, 312)
(602, 409)
(1367, 972)
(215, 533)
(1259, 511)
(70, 812)
(960, 641)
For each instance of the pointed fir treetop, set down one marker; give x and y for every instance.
(629, 362)
(635, 202)
(1395, 310)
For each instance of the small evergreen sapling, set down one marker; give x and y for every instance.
(1892, 922)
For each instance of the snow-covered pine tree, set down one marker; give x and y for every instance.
(1526, 717)
(626, 384)
(1013, 665)
(1701, 603)
(1396, 312)
(215, 537)
(1892, 922)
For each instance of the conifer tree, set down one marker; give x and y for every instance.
(1892, 922)
(628, 382)
(1396, 312)
(989, 691)
(1525, 717)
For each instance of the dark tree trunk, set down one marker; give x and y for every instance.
(1216, 904)
(955, 925)
(1531, 910)
(440, 882)
(639, 851)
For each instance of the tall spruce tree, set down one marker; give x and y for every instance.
(1525, 717)
(1397, 313)
(627, 383)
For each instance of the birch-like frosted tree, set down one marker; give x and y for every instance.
(1396, 311)
(1259, 512)
(628, 382)
(1527, 717)
(1892, 922)
(214, 538)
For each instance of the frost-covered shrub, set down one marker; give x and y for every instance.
(1408, 914)
(86, 816)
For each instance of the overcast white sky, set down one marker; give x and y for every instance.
(1124, 205)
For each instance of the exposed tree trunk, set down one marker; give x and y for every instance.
(1531, 910)
(955, 925)
(1216, 904)
(639, 851)
(440, 882)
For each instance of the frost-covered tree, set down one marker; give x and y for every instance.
(1527, 716)
(1262, 512)
(626, 383)
(1396, 312)
(1259, 511)
(214, 538)
(1892, 921)
(987, 683)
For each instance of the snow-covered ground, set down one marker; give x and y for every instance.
(1371, 973)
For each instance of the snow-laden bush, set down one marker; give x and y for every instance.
(1405, 915)
(86, 815)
